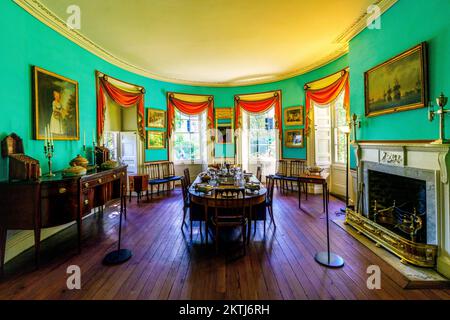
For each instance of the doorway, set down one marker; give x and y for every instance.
(123, 148)
(330, 142)
(259, 142)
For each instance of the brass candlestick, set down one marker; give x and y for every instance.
(441, 102)
(49, 150)
(355, 123)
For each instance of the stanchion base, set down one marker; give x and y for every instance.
(334, 262)
(117, 257)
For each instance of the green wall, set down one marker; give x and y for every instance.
(406, 24)
(27, 42)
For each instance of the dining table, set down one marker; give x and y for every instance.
(255, 199)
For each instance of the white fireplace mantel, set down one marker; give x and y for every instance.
(423, 156)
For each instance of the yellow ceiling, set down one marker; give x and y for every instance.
(219, 42)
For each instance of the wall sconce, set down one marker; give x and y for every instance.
(441, 101)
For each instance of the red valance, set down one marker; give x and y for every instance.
(189, 108)
(259, 106)
(329, 94)
(123, 98)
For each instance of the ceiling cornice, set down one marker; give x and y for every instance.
(46, 16)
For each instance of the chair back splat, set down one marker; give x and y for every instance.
(230, 210)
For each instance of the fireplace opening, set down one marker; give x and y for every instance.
(398, 204)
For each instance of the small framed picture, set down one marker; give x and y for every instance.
(156, 140)
(293, 138)
(293, 116)
(156, 118)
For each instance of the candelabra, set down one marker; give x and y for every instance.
(49, 150)
(441, 102)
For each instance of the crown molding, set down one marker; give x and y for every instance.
(361, 23)
(50, 19)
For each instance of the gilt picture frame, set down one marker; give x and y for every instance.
(156, 118)
(293, 116)
(399, 84)
(294, 138)
(156, 139)
(55, 105)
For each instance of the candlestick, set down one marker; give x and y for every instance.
(441, 102)
(49, 152)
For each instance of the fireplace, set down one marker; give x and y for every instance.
(399, 204)
(402, 200)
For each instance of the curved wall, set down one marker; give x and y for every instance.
(26, 42)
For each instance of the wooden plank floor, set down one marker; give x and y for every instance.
(167, 265)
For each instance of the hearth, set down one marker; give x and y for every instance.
(399, 204)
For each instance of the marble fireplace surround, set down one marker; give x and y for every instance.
(423, 161)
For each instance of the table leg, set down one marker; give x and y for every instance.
(2, 249)
(299, 195)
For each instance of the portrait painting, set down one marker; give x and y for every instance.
(156, 140)
(55, 105)
(293, 116)
(156, 118)
(293, 138)
(398, 84)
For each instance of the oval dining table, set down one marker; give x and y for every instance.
(253, 199)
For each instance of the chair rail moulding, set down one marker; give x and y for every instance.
(413, 159)
(49, 18)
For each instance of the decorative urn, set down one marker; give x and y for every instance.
(79, 161)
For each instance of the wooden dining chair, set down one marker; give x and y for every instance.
(259, 173)
(187, 176)
(297, 169)
(282, 172)
(230, 210)
(269, 199)
(168, 173)
(186, 200)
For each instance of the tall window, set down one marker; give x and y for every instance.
(262, 137)
(189, 140)
(340, 120)
(259, 142)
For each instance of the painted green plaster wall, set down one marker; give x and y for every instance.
(27, 42)
(406, 24)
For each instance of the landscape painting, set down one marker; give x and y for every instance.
(55, 106)
(293, 116)
(156, 118)
(399, 84)
(293, 138)
(156, 140)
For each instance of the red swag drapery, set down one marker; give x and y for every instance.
(259, 106)
(123, 98)
(189, 108)
(328, 94)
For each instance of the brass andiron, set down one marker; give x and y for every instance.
(441, 102)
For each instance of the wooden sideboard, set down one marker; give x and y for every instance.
(55, 201)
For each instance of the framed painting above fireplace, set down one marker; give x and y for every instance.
(398, 84)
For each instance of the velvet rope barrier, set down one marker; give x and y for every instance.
(328, 94)
(123, 98)
(188, 108)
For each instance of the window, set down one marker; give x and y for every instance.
(262, 136)
(340, 120)
(189, 144)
